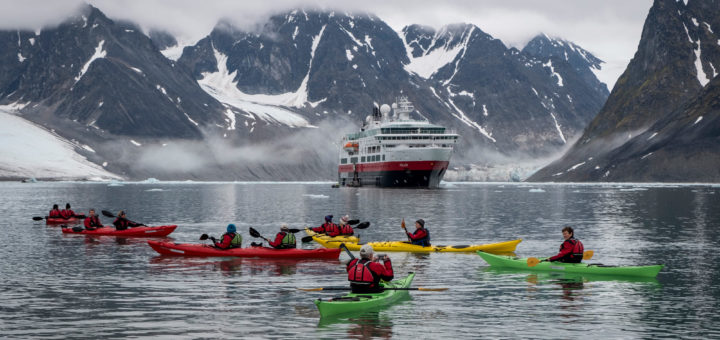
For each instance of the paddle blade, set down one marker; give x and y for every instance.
(311, 289)
(432, 289)
(402, 224)
(588, 254)
(254, 233)
(363, 225)
(306, 239)
(37, 218)
(107, 213)
(295, 230)
(532, 261)
(353, 222)
(204, 237)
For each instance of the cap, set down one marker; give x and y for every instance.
(345, 218)
(328, 218)
(231, 228)
(422, 222)
(366, 251)
(284, 227)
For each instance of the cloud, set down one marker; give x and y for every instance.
(609, 29)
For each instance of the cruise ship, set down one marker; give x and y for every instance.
(394, 150)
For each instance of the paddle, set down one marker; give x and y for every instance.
(386, 288)
(109, 214)
(40, 218)
(344, 247)
(533, 261)
(363, 225)
(204, 237)
(254, 233)
(402, 224)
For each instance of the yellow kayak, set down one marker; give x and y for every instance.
(339, 239)
(500, 247)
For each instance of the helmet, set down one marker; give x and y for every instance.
(366, 251)
(231, 228)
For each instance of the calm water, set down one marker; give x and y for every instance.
(72, 286)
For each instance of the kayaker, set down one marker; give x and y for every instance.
(231, 239)
(92, 222)
(55, 212)
(122, 223)
(345, 228)
(284, 239)
(366, 272)
(67, 212)
(420, 236)
(571, 250)
(329, 228)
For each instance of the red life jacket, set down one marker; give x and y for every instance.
(331, 229)
(67, 213)
(577, 251)
(361, 274)
(55, 213)
(346, 229)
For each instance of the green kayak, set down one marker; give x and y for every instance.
(582, 268)
(355, 302)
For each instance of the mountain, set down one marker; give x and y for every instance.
(271, 103)
(660, 121)
(102, 74)
(310, 66)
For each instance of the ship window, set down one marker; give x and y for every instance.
(383, 158)
(343, 160)
(353, 160)
(362, 159)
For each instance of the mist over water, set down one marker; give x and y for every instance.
(72, 286)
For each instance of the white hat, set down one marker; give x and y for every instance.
(345, 218)
(366, 251)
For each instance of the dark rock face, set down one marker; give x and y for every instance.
(644, 132)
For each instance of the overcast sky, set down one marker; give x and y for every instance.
(610, 29)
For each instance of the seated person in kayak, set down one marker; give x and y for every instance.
(92, 222)
(231, 239)
(344, 227)
(571, 250)
(420, 236)
(329, 228)
(122, 223)
(366, 272)
(55, 212)
(67, 212)
(284, 239)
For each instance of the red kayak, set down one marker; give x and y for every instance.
(187, 249)
(60, 220)
(159, 231)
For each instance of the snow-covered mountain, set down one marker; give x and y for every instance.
(662, 119)
(303, 75)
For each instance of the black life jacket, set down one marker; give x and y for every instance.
(425, 241)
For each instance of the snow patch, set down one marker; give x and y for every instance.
(136, 69)
(32, 40)
(231, 117)
(553, 73)
(461, 115)
(88, 148)
(430, 62)
(135, 143)
(99, 53)
(698, 67)
(349, 55)
(223, 87)
(21, 58)
(45, 155)
(646, 155)
(485, 111)
(557, 126)
(698, 120)
(575, 166)
(297, 28)
(652, 136)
